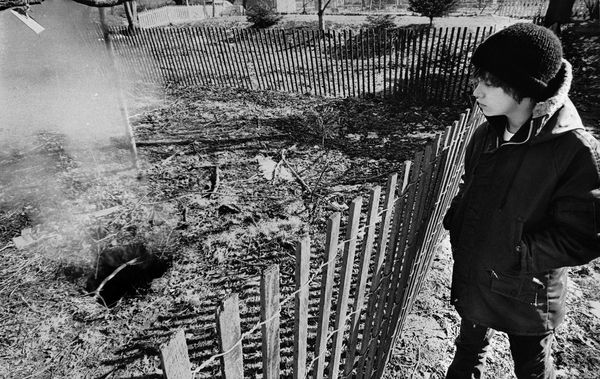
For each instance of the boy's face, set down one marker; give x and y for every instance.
(494, 101)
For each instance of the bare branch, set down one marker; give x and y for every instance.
(326, 4)
(6, 4)
(131, 262)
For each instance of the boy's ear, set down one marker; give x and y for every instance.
(529, 103)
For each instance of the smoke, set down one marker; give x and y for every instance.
(61, 119)
(58, 81)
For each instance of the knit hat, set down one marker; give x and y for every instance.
(525, 56)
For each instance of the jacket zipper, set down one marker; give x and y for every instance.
(512, 179)
(516, 171)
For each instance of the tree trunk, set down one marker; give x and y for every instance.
(321, 21)
(320, 12)
(131, 13)
(559, 11)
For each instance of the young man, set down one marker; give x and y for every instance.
(529, 205)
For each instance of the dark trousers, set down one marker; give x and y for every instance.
(532, 354)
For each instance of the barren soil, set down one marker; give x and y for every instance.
(212, 237)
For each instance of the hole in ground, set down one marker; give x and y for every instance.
(124, 271)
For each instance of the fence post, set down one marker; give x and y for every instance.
(344, 286)
(269, 314)
(331, 247)
(230, 344)
(174, 358)
(301, 311)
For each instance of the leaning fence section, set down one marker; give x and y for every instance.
(421, 63)
(366, 279)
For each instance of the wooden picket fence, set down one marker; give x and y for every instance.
(424, 64)
(180, 14)
(374, 267)
(507, 8)
(517, 8)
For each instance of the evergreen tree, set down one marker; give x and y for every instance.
(432, 8)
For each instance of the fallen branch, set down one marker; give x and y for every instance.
(300, 180)
(165, 142)
(8, 245)
(189, 141)
(131, 262)
(275, 170)
(215, 181)
(105, 212)
(315, 187)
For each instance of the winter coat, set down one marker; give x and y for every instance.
(526, 209)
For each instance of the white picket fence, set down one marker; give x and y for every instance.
(180, 14)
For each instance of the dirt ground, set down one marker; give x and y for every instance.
(212, 215)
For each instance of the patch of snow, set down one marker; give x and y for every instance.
(267, 168)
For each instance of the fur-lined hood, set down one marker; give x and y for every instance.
(557, 114)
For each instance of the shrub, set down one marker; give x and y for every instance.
(385, 21)
(262, 16)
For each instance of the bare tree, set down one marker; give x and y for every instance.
(321, 12)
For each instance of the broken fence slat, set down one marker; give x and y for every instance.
(229, 331)
(269, 309)
(174, 357)
(344, 286)
(331, 247)
(301, 311)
